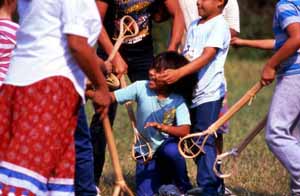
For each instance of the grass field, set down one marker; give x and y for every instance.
(259, 174)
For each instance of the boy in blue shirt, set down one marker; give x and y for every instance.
(156, 100)
(283, 126)
(207, 46)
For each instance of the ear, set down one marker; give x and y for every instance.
(220, 3)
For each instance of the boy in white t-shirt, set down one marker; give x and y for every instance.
(207, 46)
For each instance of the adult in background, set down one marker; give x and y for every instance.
(41, 95)
(135, 54)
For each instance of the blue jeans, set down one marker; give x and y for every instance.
(84, 169)
(202, 117)
(166, 167)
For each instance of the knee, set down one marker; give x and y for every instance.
(171, 152)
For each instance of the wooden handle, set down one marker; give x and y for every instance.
(112, 149)
(236, 107)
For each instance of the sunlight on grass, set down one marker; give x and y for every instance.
(259, 174)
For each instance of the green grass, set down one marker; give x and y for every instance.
(259, 173)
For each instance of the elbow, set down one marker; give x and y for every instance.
(76, 44)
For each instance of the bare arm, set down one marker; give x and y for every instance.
(288, 49)
(120, 66)
(178, 131)
(265, 44)
(170, 76)
(178, 24)
(89, 63)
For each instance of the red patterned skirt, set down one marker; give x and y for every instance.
(37, 123)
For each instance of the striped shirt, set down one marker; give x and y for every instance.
(7, 44)
(286, 13)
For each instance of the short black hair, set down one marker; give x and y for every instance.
(173, 60)
(2, 3)
(225, 3)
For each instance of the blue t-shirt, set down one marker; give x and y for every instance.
(286, 13)
(171, 110)
(214, 33)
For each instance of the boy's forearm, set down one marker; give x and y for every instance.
(265, 44)
(207, 55)
(178, 131)
(287, 50)
(178, 24)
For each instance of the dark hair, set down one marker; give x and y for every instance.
(225, 3)
(173, 60)
(2, 3)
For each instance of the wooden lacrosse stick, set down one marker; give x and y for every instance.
(120, 184)
(128, 29)
(234, 153)
(189, 146)
(140, 149)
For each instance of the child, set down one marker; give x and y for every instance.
(7, 35)
(283, 130)
(155, 100)
(207, 46)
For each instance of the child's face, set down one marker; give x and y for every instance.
(155, 84)
(207, 8)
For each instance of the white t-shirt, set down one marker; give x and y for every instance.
(215, 33)
(42, 50)
(231, 13)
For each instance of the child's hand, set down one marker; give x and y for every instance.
(153, 124)
(236, 42)
(169, 76)
(268, 74)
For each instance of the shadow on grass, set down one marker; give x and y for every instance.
(109, 180)
(239, 191)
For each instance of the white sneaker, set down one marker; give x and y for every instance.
(228, 192)
(98, 191)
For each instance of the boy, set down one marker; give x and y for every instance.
(283, 130)
(207, 47)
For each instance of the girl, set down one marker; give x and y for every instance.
(156, 100)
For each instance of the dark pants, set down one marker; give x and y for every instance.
(166, 167)
(202, 117)
(139, 58)
(84, 178)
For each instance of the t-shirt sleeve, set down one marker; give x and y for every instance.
(218, 37)
(78, 15)
(182, 114)
(129, 93)
(287, 13)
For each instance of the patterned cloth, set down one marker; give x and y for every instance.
(37, 124)
(7, 44)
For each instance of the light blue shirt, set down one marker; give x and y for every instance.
(214, 33)
(171, 110)
(286, 13)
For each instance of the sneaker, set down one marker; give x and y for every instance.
(228, 192)
(98, 191)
